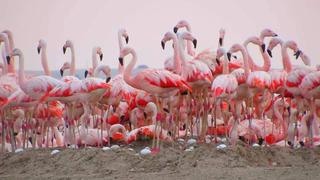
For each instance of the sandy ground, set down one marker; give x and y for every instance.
(205, 162)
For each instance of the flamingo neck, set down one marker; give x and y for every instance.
(100, 68)
(189, 43)
(128, 70)
(287, 66)
(176, 56)
(4, 65)
(266, 60)
(182, 53)
(306, 60)
(44, 61)
(225, 67)
(245, 61)
(21, 71)
(94, 58)
(6, 51)
(73, 62)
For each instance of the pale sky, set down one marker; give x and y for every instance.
(96, 22)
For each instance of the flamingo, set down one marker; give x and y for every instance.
(42, 47)
(95, 51)
(224, 86)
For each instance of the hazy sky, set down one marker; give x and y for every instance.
(96, 22)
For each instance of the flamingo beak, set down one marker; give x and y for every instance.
(275, 35)
(220, 41)
(8, 59)
(229, 56)
(163, 44)
(61, 72)
(234, 56)
(86, 72)
(297, 54)
(121, 61)
(101, 57)
(127, 39)
(194, 43)
(263, 47)
(218, 61)
(38, 49)
(145, 115)
(175, 29)
(64, 49)
(269, 52)
(108, 79)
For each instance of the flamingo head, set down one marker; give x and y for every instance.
(66, 45)
(167, 37)
(65, 66)
(294, 46)
(99, 52)
(124, 52)
(234, 48)
(255, 40)
(181, 24)
(273, 43)
(188, 36)
(42, 44)
(123, 33)
(268, 33)
(222, 33)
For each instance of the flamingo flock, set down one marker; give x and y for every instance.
(213, 96)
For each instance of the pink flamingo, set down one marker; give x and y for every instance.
(158, 82)
(42, 47)
(95, 51)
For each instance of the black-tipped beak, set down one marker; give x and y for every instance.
(121, 61)
(101, 57)
(163, 44)
(108, 79)
(175, 29)
(127, 39)
(229, 56)
(64, 49)
(263, 47)
(8, 59)
(220, 41)
(145, 115)
(218, 61)
(38, 49)
(297, 54)
(269, 52)
(234, 56)
(275, 35)
(85, 73)
(194, 43)
(166, 110)
(61, 72)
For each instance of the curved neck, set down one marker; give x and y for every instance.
(280, 118)
(128, 70)
(73, 62)
(104, 68)
(44, 61)
(189, 43)
(5, 52)
(287, 66)
(266, 60)
(245, 61)
(21, 70)
(94, 58)
(4, 65)
(182, 53)
(176, 55)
